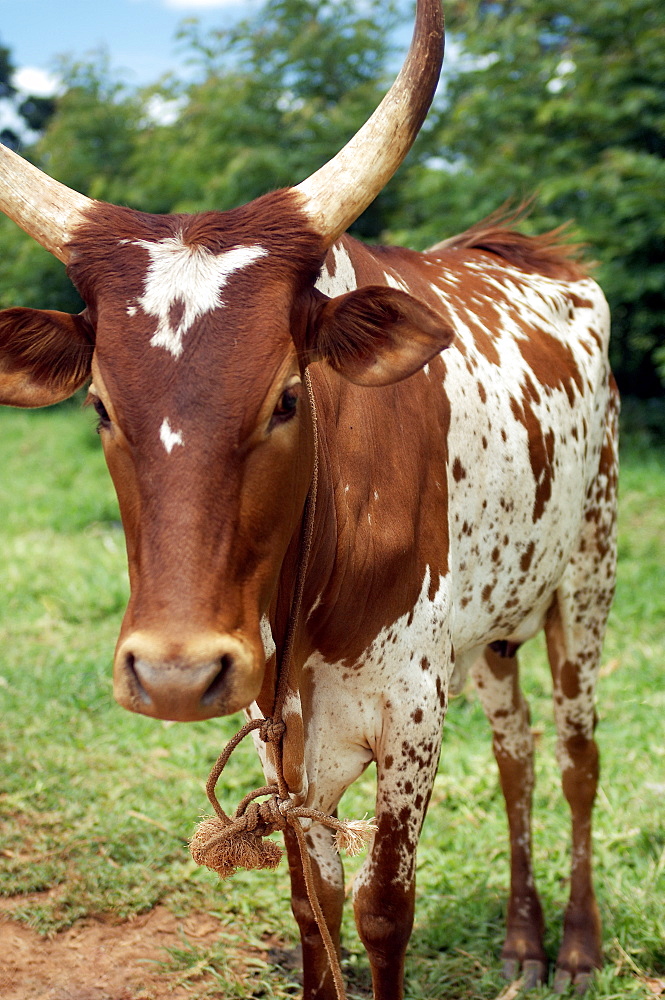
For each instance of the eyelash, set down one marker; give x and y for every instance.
(287, 406)
(102, 413)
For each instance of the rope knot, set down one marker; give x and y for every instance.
(272, 731)
(285, 805)
(264, 818)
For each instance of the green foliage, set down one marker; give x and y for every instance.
(30, 276)
(36, 111)
(272, 99)
(96, 803)
(6, 72)
(90, 141)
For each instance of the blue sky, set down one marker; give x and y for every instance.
(139, 35)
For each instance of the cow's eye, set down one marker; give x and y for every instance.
(102, 413)
(287, 406)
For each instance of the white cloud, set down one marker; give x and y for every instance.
(35, 81)
(159, 111)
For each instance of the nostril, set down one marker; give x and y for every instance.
(134, 680)
(215, 688)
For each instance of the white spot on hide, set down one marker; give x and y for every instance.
(394, 282)
(184, 282)
(170, 438)
(266, 637)
(314, 607)
(343, 280)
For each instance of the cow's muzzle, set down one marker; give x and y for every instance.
(186, 680)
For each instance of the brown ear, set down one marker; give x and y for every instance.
(44, 356)
(377, 335)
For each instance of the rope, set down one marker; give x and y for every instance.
(225, 843)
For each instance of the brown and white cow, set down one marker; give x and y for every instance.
(465, 500)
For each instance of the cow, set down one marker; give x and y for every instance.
(459, 410)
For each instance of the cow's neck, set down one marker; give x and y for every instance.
(367, 567)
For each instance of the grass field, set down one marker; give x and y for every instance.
(96, 804)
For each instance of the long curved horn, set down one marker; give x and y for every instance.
(47, 210)
(343, 188)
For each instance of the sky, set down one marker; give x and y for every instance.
(139, 35)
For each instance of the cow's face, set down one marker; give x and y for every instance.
(209, 450)
(202, 328)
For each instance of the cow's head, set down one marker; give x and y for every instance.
(197, 333)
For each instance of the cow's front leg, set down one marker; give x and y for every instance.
(384, 890)
(328, 875)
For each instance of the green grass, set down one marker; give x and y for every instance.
(96, 804)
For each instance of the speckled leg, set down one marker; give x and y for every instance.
(384, 890)
(328, 874)
(497, 681)
(574, 676)
(575, 629)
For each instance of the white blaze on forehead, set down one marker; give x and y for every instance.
(170, 438)
(185, 282)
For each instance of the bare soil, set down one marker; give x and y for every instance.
(97, 959)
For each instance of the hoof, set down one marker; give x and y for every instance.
(580, 982)
(510, 969)
(535, 973)
(562, 980)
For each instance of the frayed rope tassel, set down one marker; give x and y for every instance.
(354, 836)
(226, 847)
(224, 850)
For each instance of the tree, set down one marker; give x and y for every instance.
(35, 111)
(90, 141)
(6, 73)
(7, 91)
(569, 104)
(272, 99)
(28, 274)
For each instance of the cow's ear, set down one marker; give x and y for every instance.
(44, 356)
(376, 335)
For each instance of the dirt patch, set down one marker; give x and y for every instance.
(99, 960)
